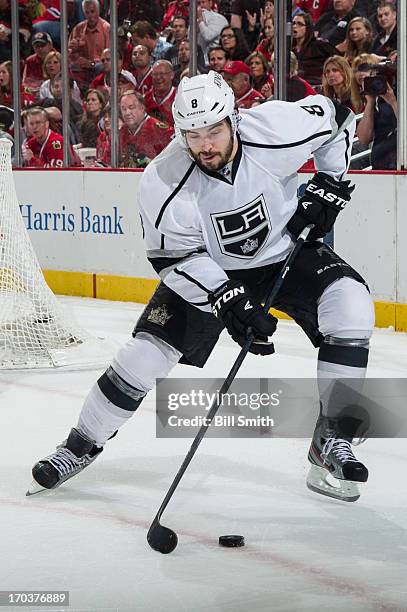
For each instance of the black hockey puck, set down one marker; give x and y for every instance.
(231, 541)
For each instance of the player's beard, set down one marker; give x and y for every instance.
(218, 161)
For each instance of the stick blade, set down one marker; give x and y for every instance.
(162, 539)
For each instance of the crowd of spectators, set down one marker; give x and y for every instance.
(335, 45)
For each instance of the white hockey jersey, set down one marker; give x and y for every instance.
(198, 224)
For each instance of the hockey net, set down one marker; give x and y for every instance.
(36, 331)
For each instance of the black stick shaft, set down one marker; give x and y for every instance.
(232, 374)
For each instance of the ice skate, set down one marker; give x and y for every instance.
(70, 458)
(335, 471)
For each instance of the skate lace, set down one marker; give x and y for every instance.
(340, 448)
(64, 461)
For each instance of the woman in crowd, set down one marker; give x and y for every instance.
(51, 69)
(266, 44)
(95, 104)
(233, 41)
(6, 87)
(310, 51)
(339, 83)
(359, 38)
(103, 145)
(267, 12)
(260, 74)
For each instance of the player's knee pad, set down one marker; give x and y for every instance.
(119, 392)
(143, 359)
(345, 311)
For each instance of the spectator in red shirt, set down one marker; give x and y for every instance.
(260, 73)
(47, 18)
(103, 144)
(159, 99)
(266, 44)
(314, 8)
(141, 68)
(33, 75)
(237, 75)
(87, 41)
(177, 7)
(124, 46)
(45, 148)
(141, 137)
(6, 87)
(217, 58)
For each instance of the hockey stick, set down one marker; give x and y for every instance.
(160, 538)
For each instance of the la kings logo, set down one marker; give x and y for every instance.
(242, 232)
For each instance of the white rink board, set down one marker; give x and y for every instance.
(366, 233)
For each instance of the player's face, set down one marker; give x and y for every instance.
(132, 111)
(333, 75)
(357, 32)
(211, 147)
(217, 60)
(140, 56)
(53, 67)
(256, 67)
(386, 17)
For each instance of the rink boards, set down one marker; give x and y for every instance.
(86, 231)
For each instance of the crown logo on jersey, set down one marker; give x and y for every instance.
(249, 246)
(159, 315)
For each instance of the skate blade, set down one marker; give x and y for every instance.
(35, 488)
(319, 480)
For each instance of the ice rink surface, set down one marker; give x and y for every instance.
(303, 551)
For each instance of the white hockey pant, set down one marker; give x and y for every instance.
(346, 320)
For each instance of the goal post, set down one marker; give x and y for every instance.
(36, 331)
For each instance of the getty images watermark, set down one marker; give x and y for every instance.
(283, 408)
(200, 399)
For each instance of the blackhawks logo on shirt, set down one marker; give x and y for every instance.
(56, 145)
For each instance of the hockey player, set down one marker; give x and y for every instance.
(220, 212)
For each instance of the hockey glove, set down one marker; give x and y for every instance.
(324, 197)
(236, 306)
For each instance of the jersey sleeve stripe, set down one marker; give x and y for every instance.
(192, 280)
(288, 145)
(174, 193)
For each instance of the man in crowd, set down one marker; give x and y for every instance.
(183, 61)
(143, 33)
(45, 147)
(87, 41)
(161, 96)
(237, 75)
(386, 41)
(141, 137)
(217, 58)
(33, 74)
(210, 24)
(125, 79)
(141, 61)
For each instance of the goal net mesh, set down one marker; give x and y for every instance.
(35, 328)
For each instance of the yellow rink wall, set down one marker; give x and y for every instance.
(85, 229)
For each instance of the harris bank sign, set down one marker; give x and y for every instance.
(85, 220)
